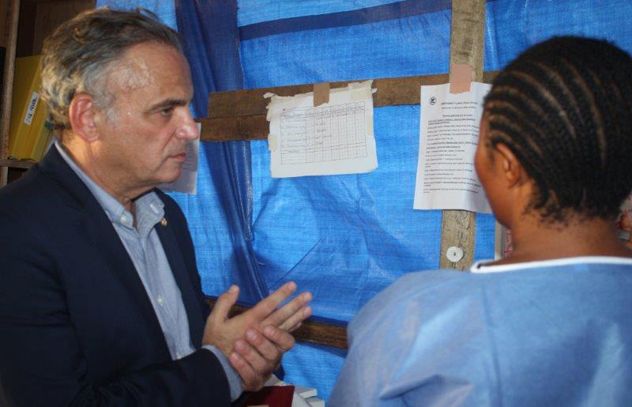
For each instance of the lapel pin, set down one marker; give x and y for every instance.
(163, 222)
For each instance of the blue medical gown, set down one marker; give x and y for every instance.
(536, 336)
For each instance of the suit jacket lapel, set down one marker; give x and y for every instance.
(93, 223)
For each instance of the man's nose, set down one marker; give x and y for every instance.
(189, 129)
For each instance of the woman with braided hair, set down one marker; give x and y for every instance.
(551, 324)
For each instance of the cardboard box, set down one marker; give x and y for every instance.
(28, 111)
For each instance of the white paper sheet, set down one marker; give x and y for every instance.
(187, 181)
(448, 137)
(334, 138)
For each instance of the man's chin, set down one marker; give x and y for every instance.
(170, 177)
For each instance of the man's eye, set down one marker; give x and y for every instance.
(166, 111)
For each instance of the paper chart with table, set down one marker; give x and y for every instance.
(333, 138)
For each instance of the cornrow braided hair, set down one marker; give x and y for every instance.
(564, 108)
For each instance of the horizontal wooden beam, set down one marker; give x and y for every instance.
(241, 114)
(243, 128)
(312, 330)
(24, 164)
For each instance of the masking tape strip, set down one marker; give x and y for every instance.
(460, 78)
(321, 93)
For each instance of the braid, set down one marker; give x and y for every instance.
(563, 107)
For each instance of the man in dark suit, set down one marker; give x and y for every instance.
(100, 299)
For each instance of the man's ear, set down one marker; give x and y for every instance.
(81, 115)
(512, 170)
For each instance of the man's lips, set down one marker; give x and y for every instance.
(179, 156)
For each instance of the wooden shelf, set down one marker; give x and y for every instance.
(23, 164)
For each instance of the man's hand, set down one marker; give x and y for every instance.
(256, 358)
(255, 340)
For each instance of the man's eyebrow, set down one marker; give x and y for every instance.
(168, 103)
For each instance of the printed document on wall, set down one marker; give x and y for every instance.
(448, 137)
(333, 138)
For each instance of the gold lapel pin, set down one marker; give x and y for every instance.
(163, 221)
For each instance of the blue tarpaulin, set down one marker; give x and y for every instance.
(342, 237)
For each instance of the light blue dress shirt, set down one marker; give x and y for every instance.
(145, 249)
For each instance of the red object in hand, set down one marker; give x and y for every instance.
(271, 396)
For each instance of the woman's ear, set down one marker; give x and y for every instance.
(512, 170)
(81, 115)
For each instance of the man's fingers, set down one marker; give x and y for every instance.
(252, 379)
(258, 363)
(280, 338)
(245, 371)
(295, 327)
(259, 353)
(268, 305)
(264, 347)
(224, 303)
(295, 320)
(291, 313)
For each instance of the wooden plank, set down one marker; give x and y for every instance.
(466, 38)
(241, 115)
(23, 164)
(322, 333)
(11, 16)
(243, 128)
(311, 330)
(390, 91)
(458, 228)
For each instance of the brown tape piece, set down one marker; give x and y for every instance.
(321, 93)
(460, 77)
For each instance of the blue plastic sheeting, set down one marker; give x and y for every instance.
(210, 40)
(363, 232)
(165, 10)
(514, 25)
(257, 11)
(391, 11)
(346, 237)
(377, 50)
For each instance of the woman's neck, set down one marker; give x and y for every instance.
(533, 240)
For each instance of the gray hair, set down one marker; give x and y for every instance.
(76, 57)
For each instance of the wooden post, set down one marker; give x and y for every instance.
(9, 37)
(458, 228)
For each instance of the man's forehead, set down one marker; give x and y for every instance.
(146, 64)
(129, 74)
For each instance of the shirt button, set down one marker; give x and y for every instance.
(160, 300)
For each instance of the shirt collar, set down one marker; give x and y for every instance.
(480, 267)
(149, 207)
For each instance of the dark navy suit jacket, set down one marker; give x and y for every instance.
(76, 325)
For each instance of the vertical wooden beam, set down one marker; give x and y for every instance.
(458, 228)
(9, 34)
